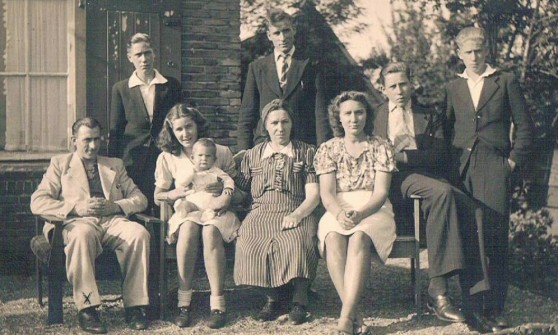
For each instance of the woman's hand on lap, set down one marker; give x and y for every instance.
(291, 221)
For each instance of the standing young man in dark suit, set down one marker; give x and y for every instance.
(139, 105)
(481, 106)
(421, 155)
(285, 74)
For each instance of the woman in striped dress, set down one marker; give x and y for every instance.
(276, 242)
(355, 170)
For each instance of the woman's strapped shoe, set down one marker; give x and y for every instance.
(269, 312)
(217, 319)
(297, 314)
(345, 326)
(183, 318)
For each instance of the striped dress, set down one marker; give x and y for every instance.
(267, 256)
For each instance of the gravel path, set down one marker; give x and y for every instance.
(388, 309)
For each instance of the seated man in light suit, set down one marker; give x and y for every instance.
(93, 195)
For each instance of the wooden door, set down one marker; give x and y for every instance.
(110, 23)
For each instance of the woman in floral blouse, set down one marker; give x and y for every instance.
(354, 170)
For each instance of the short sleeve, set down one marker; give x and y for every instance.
(225, 161)
(323, 161)
(384, 156)
(163, 174)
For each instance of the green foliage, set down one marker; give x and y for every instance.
(534, 252)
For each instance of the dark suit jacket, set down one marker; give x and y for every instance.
(430, 157)
(129, 122)
(501, 103)
(304, 93)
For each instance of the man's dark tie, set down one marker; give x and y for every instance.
(284, 70)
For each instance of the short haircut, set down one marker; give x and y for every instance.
(206, 143)
(395, 67)
(333, 112)
(275, 16)
(88, 122)
(166, 141)
(138, 38)
(274, 105)
(470, 33)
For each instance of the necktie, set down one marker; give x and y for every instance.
(402, 139)
(284, 69)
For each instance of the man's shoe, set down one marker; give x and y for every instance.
(183, 318)
(479, 323)
(498, 320)
(444, 310)
(90, 322)
(297, 314)
(136, 317)
(269, 312)
(217, 319)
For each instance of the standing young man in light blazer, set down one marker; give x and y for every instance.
(482, 104)
(285, 74)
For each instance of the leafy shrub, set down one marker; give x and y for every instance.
(534, 252)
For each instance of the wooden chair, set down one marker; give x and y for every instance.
(50, 258)
(408, 246)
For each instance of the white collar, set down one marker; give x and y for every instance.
(287, 150)
(277, 53)
(392, 106)
(487, 72)
(135, 81)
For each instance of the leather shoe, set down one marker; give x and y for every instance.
(136, 317)
(498, 320)
(90, 322)
(297, 314)
(183, 318)
(217, 319)
(444, 310)
(479, 323)
(269, 312)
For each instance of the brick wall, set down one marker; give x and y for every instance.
(17, 226)
(211, 63)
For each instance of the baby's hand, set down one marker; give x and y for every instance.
(228, 191)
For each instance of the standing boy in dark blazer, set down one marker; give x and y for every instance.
(481, 106)
(139, 105)
(288, 75)
(421, 155)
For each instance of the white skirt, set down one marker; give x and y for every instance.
(380, 226)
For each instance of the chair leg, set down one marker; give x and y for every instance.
(55, 293)
(39, 281)
(417, 283)
(162, 275)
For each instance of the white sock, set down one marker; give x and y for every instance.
(184, 298)
(217, 303)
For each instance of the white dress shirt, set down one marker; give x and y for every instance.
(409, 121)
(280, 60)
(475, 86)
(147, 89)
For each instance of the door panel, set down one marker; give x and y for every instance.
(110, 24)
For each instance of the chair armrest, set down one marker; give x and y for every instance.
(151, 223)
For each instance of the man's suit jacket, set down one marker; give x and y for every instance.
(501, 102)
(65, 183)
(130, 127)
(304, 92)
(430, 157)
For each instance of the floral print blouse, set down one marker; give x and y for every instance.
(355, 173)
